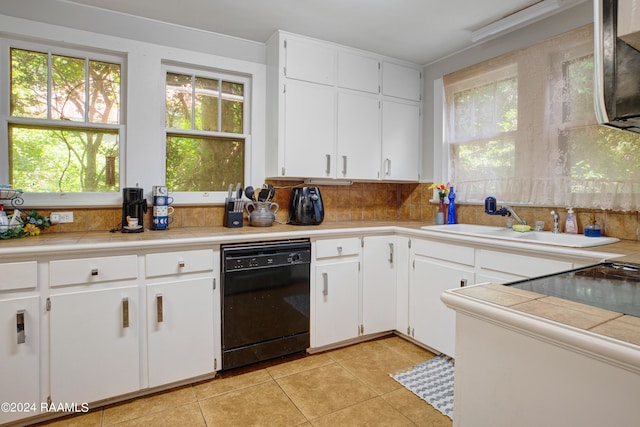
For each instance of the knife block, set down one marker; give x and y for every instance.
(232, 219)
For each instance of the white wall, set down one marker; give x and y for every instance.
(144, 165)
(433, 154)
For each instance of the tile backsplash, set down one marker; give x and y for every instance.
(362, 202)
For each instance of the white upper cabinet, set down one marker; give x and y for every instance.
(310, 61)
(358, 72)
(309, 130)
(400, 140)
(358, 154)
(400, 81)
(324, 111)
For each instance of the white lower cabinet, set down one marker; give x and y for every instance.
(403, 257)
(436, 267)
(336, 291)
(180, 330)
(379, 277)
(336, 301)
(94, 344)
(433, 323)
(181, 298)
(20, 356)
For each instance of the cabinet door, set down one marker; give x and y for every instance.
(310, 60)
(180, 330)
(403, 256)
(309, 130)
(358, 72)
(19, 354)
(432, 322)
(401, 82)
(400, 140)
(94, 344)
(336, 300)
(379, 269)
(358, 136)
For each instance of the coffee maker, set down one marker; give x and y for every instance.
(134, 205)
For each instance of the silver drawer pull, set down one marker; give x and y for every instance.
(20, 326)
(390, 253)
(159, 309)
(344, 165)
(325, 285)
(94, 271)
(339, 248)
(125, 312)
(181, 264)
(328, 169)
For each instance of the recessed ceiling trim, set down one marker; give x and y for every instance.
(517, 20)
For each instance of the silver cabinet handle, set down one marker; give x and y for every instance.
(387, 167)
(328, 170)
(463, 283)
(390, 253)
(20, 327)
(344, 165)
(325, 285)
(159, 309)
(339, 248)
(181, 264)
(125, 312)
(94, 271)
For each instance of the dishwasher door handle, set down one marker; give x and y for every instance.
(325, 284)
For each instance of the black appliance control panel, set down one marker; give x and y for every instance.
(247, 257)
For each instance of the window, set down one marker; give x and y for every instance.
(206, 123)
(64, 127)
(522, 128)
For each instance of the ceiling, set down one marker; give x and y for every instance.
(419, 31)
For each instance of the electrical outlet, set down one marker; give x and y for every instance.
(61, 217)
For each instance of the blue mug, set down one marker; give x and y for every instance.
(161, 222)
(162, 200)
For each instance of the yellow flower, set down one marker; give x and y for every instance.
(31, 230)
(442, 189)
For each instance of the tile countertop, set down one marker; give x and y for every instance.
(102, 240)
(606, 334)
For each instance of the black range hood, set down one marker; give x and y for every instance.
(617, 72)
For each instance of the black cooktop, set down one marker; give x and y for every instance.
(607, 285)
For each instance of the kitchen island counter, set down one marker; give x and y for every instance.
(542, 360)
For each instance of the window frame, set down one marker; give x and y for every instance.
(60, 198)
(208, 197)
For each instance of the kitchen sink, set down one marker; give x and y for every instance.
(539, 237)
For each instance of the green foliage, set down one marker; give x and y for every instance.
(204, 164)
(203, 161)
(48, 157)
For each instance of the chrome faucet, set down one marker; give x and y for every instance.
(556, 222)
(490, 209)
(514, 214)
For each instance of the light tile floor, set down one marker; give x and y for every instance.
(345, 387)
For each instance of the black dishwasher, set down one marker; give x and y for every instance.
(265, 301)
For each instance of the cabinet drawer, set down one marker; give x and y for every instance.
(444, 251)
(18, 275)
(520, 265)
(337, 247)
(178, 262)
(92, 270)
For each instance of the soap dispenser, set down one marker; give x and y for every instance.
(571, 226)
